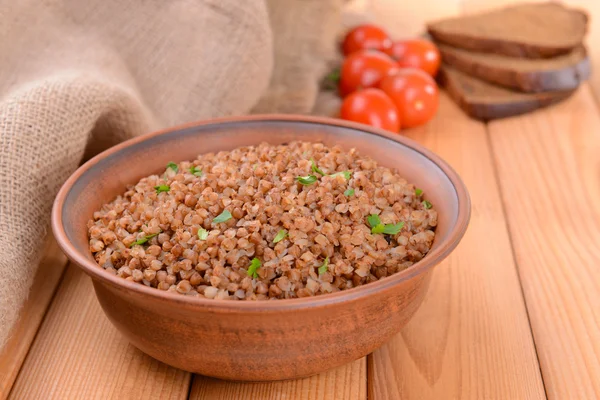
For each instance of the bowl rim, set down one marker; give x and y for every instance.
(433, 258)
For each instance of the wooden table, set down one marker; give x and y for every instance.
(514, 313)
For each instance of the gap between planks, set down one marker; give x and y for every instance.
(550, 158)
(45, 282)
(548, 168)
(79, 354)
(471, 338)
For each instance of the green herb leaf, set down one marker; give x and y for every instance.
(306, 180)
(143, 240)
(173, 166)
(418, 192)
(280, 236)
(202, 234)
(255, 264)
(331, 80)
(162, 188)
(373, 220)
(393, 229)
(378, 228)
(347, 174)
(323, 268)
(195, 171)
(334, 75)
(314, 167)
(349, 192)
(427, 204)
(224, 216)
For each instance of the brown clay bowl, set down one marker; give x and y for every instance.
(257, 340)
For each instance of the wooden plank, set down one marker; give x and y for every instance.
(471, 338)
(346, 382)
(44, 285)
(78, 354)
(549, 167)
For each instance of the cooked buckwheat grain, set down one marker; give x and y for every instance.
(161, 231)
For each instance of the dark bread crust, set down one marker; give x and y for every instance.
(537, 76)
(484, 101)
(508, 46)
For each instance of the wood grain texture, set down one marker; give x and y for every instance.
(549, 172)
(553, 155)
(78, 354)
(348, 382)
(593, 41)
(44, 285)
(471, 338)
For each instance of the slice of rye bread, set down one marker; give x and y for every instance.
(484, 101)
(564, 72)
(531, 30)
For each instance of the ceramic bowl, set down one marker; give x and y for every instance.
(257, 340)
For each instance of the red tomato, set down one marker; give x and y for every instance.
(414, 93)
(366, 37)
(371, 107)
(416, 53)
(364, 69)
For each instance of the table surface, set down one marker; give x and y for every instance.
(513, 313)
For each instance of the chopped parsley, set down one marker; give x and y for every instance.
(418, 192)
(173, 166)
(323, 268)
(255, 264)
(310, 179)
(280, 236)
(307, 180)
(202, 234)
(346, 174)
(427, 204)
(314, 167)
(393, 229)
(195, 171)
(162, 188)
(373, 220)
(378, 227)
(349, 192)
(224, 216)
(143, 240)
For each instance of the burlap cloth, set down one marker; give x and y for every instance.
(79, 76)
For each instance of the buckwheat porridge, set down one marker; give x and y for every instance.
(264, 222)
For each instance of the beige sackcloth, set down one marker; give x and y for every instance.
(78, 76)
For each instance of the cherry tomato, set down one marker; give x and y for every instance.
(416, 53)
(366, 37)
(364, 69)
(372, 107)
(414, 93)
